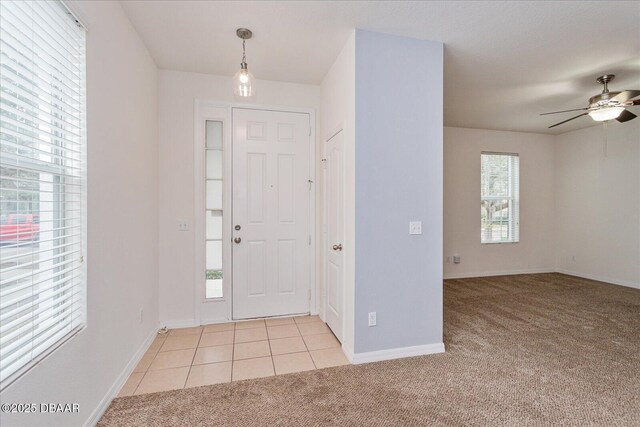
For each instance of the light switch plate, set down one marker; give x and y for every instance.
(415, 227)
(373, 321)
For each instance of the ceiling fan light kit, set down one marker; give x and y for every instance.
(606, 105)
(607, 113)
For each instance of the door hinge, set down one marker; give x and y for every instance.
(310, 181)
(309, 294)
(324, 163)
(309, 240)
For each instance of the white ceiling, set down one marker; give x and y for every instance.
(505, 62)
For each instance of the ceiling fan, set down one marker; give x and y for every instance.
(607, 105)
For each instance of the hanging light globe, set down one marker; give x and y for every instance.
(243, 81)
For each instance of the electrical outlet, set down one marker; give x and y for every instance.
(372, 318)
(456, 259)
(141, 314)
(183, 226)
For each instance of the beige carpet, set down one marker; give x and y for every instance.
(530, 350)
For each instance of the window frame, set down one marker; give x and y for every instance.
(53, 341)
(209, 210)
(513, 198)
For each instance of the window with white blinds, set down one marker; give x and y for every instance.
(500, 198)
(42, 182)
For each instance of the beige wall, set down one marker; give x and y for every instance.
(177, 94)
(598, 203)
(122, 229)
(579, 207)
(534, 252)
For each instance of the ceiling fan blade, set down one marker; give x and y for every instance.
(626, 95)
(625, 116)
(572, 118)
(564, 111)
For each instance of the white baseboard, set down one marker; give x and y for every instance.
(393, 353)
(119, 382)
(499, 273)
(544, 270)
(177, 324)
(599, 278)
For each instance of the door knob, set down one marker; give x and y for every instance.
(337, 247)
(237, 227)
(237, 240)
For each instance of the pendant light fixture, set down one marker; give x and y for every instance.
(243, 81)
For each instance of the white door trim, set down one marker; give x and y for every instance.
(203, 111)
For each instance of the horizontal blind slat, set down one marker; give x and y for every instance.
(42, 18)
(43, 260)
(58, 298)
(40, 271)
(53, 97)
(50, 327)
(34, 165)
(59, 157)
(13, 341)
(12, 290)
(47, 16)
(36, 110)
(27, 181)
(13, 45)
(41, 47)
(44, 126)
(8, 259)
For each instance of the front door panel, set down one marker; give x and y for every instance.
(271, 202)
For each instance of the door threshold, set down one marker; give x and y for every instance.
(279, 316)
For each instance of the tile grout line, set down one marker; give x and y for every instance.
(194, 356)
(233, 350)
(306, 346)
(270, 353)
(201, 333)
(144, 374)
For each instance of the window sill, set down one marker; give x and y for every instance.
(498, 243)
(15, 376)
(221, 299)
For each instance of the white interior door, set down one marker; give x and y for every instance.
(334, 154)
(271, 213)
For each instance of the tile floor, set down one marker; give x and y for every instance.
(211, 354)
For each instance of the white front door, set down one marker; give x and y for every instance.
(271, 213)
(335, 232)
